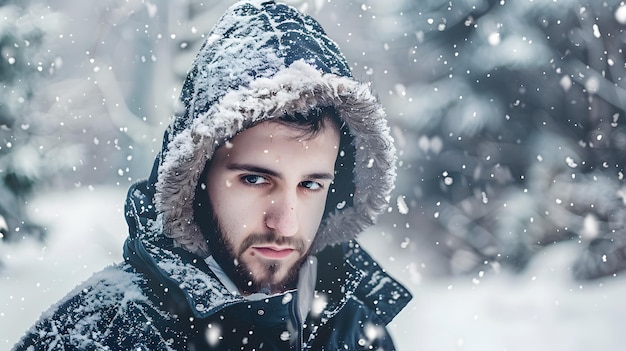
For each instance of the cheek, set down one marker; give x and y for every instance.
(313, 219)
(224, 207)
(236, 212)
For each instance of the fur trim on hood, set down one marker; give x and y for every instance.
(262, 61)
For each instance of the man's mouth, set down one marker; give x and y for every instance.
(273, 253)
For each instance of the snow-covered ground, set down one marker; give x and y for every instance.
(86, 230)
(542, 309)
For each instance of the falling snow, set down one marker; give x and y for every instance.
(509, 203)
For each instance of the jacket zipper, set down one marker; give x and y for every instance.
(295, 318)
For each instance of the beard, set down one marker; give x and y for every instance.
(230, 259)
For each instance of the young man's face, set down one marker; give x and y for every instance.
(268, 188)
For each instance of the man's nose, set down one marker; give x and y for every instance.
(282, 214)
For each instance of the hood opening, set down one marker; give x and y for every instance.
(298, 88)
(341, 191)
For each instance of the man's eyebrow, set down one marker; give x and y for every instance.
(252, 169)
(321, 176)
(262, 170)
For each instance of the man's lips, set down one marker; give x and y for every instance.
(274, 253)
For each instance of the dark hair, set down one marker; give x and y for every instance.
(313, 122)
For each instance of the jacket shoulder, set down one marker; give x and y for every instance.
(362, 297)
(355, 327)
(108, 311)
(350, 271)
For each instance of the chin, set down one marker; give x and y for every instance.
(274, 280)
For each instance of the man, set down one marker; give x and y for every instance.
(242, 238)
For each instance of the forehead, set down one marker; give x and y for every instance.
(279, 134)
(272, 139)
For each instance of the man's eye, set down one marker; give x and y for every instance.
(311, 185)
(254, 179)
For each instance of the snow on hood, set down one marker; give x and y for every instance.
(263, 60)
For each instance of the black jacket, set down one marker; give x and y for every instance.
(261, 60)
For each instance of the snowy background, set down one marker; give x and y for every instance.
(508, 221)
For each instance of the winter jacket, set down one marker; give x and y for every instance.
(262, 60)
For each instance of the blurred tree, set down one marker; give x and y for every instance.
(24, 62)
(510, 120)
(92, 100)
(120, 80)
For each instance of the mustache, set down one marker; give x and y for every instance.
(271, 238)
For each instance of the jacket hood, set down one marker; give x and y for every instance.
(261, 61)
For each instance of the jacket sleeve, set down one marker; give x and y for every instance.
(99, 316)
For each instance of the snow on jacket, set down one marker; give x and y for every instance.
(262, 60)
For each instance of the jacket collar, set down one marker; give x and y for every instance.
(187, 282)
(188, 276)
